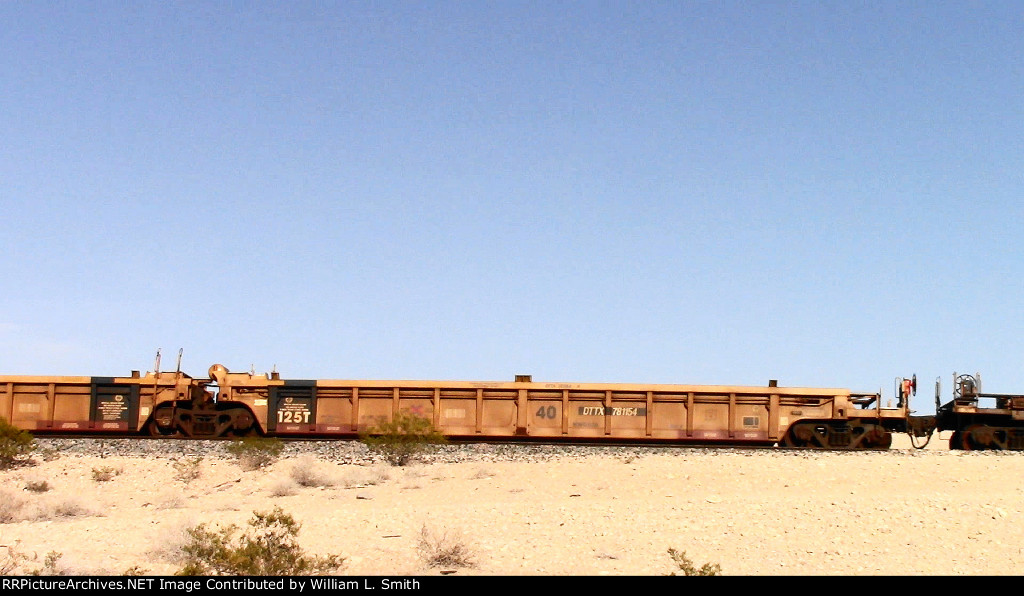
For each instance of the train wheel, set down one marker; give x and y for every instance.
(1001, 439)
(807, 435)
(983, 436)
(966, 443)
(878, 438)
(154, 429)
(956, 441)
(788, 440)
(237, 422)
(977, 437)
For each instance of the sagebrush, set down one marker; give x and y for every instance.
(268, 547)
(400, 439)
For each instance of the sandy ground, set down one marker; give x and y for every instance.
(756, 512)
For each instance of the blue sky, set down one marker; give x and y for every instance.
(828, 194)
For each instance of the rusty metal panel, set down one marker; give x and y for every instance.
(373, 410)
(668, 420)
(29, 410)
(73, 405)
(499, 417)
(628, 418)
(711, 417)
(458, 416)
(422, 406)
(334, 414)
(544, 417)
(750, 422)
(586, 416)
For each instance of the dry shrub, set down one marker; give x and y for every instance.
(687, 567)
(37, 486)
(283, 488)
(187, 469)
(445, 549)
(255, 453)
(305, 473)
(171, 501)
(59, 509)
(53, 566)
(12, 507)
(366, 477)
(269, 547)
(15, 562)
(106, 473)
(11, 558)
(15, 445)
(401, 439)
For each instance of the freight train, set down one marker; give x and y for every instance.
(229, 404)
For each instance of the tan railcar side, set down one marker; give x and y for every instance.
(76, 404)
(174, 404)
(571, 411)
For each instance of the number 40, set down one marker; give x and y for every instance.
(548, 412)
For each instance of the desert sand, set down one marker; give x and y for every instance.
(754, 512)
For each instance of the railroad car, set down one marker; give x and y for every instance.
(980, 420)
(227, 404)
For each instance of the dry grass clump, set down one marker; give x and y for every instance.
(11, 558)
(12, 507)
(283, 488)
(170, 500)
(366, 477)
(106, 473)
(187, 469)
(53, 566)
(15, 562)
(446, 549)
(306, 473)
(61, 509)
(256, 453)
(37, 486)
(269, 547)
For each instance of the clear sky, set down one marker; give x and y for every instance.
(824, 193)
